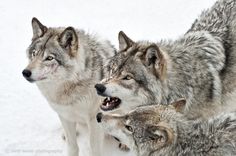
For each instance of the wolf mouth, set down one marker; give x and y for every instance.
(30, 80)
(110, 103)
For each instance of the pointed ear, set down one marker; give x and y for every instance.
(156, 61)
(124, 41)
(38, 28)
(161, 133)
(179, 105)
(69, 40)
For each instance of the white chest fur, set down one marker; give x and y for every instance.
(78, 106)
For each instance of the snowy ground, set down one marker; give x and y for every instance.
(28, 126)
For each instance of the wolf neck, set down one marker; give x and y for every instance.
(191, 139)
(196, 59)
(194, 137)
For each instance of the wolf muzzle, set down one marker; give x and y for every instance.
(99, 117)
(100, 89)
(27, 74)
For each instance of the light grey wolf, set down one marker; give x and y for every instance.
(161, 130)
(65, 64)
(199, 66)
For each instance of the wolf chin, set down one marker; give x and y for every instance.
(199, 66)
(160, 130)
(65, 63)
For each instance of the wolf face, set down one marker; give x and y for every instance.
(51, 54)
(145, 129)
(137, 76)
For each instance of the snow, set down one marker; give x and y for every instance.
(28, 126)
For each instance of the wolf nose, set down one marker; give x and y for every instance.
(99, 117)
(26, 73)
(100, 88)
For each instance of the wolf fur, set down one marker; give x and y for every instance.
(65, 63)
(199, 66)
(160, 130)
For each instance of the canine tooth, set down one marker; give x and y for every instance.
(108, 98)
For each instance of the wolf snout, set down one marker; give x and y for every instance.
(100, 88)
(99, 117)
(26, 73)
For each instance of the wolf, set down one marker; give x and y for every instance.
(162, 130)
(65, 64)
(199, 66)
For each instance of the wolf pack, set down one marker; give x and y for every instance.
(167, 98)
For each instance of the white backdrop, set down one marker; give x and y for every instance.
(28, 126)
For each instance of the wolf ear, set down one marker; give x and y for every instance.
(68, 39)
(179, 105)
(161, 133)
(38, 28)
(155, 60)
(124, 41)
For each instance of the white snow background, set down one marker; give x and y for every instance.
(28, 126)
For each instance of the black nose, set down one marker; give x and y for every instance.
(100, 88)
(26, 73)
(99, 117)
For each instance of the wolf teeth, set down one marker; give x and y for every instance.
(108, 98)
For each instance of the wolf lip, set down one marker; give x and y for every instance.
(110, 103)
(30, 80)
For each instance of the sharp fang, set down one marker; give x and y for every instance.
(107, 104)
(108, 98)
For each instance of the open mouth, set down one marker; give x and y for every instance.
(110, 103)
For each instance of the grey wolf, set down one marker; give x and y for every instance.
(199, 66)
(161, 130)
(65, 63)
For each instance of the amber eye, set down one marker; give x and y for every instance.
(129, 128)
(127, 77)
(49, 58)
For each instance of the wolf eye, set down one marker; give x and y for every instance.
(49, 58)
(129, 128)
(34, 53)
(127, 77)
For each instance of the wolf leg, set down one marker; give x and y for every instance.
(70, 131)
(96, 138)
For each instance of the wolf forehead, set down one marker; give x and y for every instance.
(126, 57)
(149, 114)
(38, 45)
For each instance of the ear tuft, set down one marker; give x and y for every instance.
(124, 41)
(152, 54)
(38, 28)
(179, 105)
(68, 39)
(155, 60)
(160, 133)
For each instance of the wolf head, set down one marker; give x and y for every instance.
(52, 53)
(145, 129)
(137, 76)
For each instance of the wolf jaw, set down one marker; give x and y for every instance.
(110, 103)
